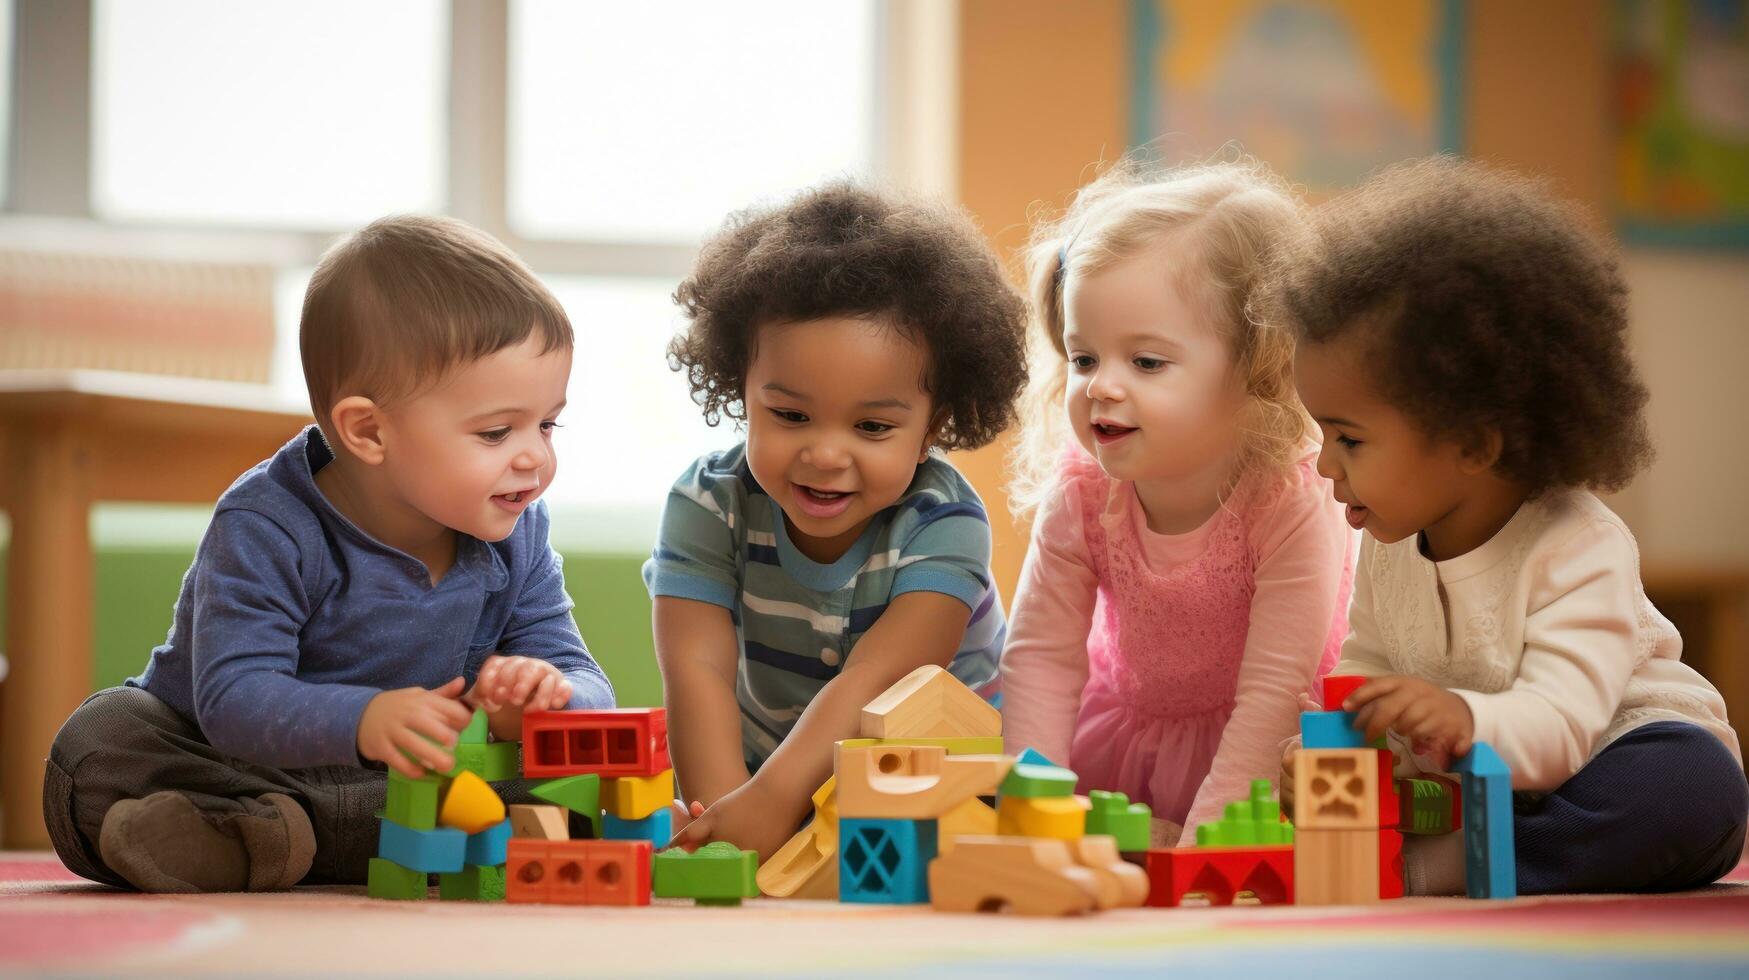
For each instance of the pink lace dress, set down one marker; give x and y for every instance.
(1169, 667)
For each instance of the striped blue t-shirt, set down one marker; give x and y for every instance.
(723, 541)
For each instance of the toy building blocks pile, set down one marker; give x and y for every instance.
(451, 824)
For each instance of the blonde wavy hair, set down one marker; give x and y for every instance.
(1232, 214)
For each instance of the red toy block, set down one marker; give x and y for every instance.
(578, 872)
(1221, 874)
(1390, 801)
(607, 742)
(1390, 864)
(1338, 687)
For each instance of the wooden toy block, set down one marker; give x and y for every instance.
(636, 797)
(412, 802)
(539, 821)
(386, 879)
(476, 732)
(973, 818)
(1114, 814)
(1061, 817)
(904, 782)
(1035, 781)
(470, 806)
(1017, 875)
(1120, 884)
(807, 865)
(579, 794)
(1337, 688)
(885, 860)
(1490, 860)
(486, 847)
(1336, 867)
(432, 851)
(1336, 789)
(929, 702)
(1263, 875)
(981, 745)
(657, 828)
(606, 742)
(719, 873)
(1333, 730)
(1248, 823)
(1391, 872)
(474, 883)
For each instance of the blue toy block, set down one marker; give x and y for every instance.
(883, 860)
(1332, 730)
(489, 846)
(1030, 756)
(439, 850)
(1490, 861)
(657, 828)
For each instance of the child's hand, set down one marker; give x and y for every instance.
(401, 726)
(1421, 712)
(508, 686)
(749, 816)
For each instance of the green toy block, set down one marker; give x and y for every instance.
(412, 802)
(579, 794)
(1248, 823)
(1029, 781)
(474, 883)
(1426, 806)
(389, 880)
(492, 761)
(1115, 815)
(719, 873)
(475, 733)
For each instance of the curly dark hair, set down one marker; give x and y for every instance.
(844, 250)
(1484, 303)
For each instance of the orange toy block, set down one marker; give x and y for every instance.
(539, 821)
(1021, 875)
(470, 805)
(807, 865)
(1336, 789)
(929, 702)
(1121, 884)
(578, 872)
(913, 782)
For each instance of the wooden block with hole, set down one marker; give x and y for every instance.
(539, 821)
(906, 782)
(929, 702)
(1121, 884)
(1336, 789)
(807, 865)
(1336, 867)
(1018, 875)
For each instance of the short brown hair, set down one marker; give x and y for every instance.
(398, 303)
(1482, 302)
(845, 250)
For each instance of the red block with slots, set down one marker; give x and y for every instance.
(607, 742)
(1219, 874)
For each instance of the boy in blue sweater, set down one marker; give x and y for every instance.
(356, 595)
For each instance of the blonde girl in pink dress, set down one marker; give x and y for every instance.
(1189, 570)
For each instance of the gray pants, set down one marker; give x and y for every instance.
(124, 743)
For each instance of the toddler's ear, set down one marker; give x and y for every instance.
(1482, 450)
(357, 427)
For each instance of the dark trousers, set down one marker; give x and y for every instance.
(124, 743)
(1662, 808)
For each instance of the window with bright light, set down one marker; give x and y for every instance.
(650, 121)
(278, 113)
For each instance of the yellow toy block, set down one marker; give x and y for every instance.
(539, 821)
(636, 797)
(975, 745)
(1061, 817)
(807, 866)
(929, 702)
(470, 806)
(973, 818)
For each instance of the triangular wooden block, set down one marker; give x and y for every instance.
(929, 702)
